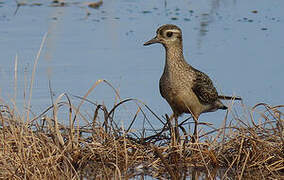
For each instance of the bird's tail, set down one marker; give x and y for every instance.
(223, 107)
(229, 97)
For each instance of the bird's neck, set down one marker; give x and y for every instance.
(174, 56)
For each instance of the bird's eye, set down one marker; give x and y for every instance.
(169, 34)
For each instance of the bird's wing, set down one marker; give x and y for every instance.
(204, 88)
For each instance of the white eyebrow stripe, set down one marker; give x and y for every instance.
(174, 30)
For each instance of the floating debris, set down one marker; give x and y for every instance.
(186, 19)
(36, 4)
(254, 11)
(129, 32)
(58, 3)
(95, 5)
(146, 12)
(245, 19)
(264, 29)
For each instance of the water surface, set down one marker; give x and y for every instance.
(239, 44)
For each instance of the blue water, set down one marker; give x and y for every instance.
(239, 44)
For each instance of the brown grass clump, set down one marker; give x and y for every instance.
(255, 150)
(43, 148)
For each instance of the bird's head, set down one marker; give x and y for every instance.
(167, 35)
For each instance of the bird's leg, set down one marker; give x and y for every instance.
(195, 132)
(195, 118)
(174, 128)
(170, 124)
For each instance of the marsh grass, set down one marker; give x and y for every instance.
(44, 146)
(46, 149)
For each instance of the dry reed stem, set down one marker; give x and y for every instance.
(15, 81)
(33, 74)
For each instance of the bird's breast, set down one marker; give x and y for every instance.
(179, 94)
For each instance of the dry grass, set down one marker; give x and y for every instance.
(45, 149)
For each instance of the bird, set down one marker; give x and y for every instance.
(185, 88)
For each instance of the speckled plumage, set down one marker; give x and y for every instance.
(186, 89)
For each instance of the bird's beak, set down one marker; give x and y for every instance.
(152, 41)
